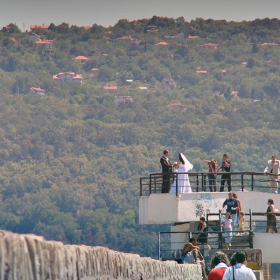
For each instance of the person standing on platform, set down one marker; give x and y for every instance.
(225, 167)
(272, 170)
(271, 217)
(232, 205)
(203, 229)
(227, 225)
(166, 170)
(212, 175)
(239, 271)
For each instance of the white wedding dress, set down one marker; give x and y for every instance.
(183, 181)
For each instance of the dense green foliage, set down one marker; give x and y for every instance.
(70, 162)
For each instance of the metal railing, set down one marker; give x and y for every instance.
(170, 246)
(216, 240)
(199, 182)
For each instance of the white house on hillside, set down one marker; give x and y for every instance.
(69, 77)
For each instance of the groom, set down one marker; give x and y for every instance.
(166, 169)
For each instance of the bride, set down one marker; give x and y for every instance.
(182, 179)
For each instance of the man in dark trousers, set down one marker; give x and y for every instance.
(225, 167)
(166, 168)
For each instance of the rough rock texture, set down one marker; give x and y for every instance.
(31, 257)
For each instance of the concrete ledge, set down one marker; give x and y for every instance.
(28, 256)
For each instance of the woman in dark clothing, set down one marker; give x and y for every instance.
(271, 217)
(202, 237)
(212, 175)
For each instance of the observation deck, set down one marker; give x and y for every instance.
(253, 190)
(183, 210)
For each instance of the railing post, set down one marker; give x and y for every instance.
(150, 185)
(242, 182)
(252, 182)
(202, 182)
(220, 235)
(197, 182)
(140, 186)
(177, 184)
(251, 239)
(159, 253)
(250, 212)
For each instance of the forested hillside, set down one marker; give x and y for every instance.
(71, 159)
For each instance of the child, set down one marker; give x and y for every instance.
(241, 223)
(227, 225)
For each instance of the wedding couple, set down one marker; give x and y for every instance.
(181, 180)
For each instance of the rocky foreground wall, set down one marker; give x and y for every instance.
(31, 257)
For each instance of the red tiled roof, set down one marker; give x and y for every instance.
(110, 87)
(94, 70)
(86, 27)
(34, 89)
(78, 77)
(44, 42)
(269, 44)
(41, 26)
(80, 57)
(201, 72)
(161, 44)
(209, 45)
(16, 41)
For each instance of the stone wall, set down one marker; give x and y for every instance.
(31, 257)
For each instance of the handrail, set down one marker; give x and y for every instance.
(199, 181)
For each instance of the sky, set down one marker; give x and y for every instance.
(24, 13)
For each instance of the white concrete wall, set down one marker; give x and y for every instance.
(269, 243)
(167, 208)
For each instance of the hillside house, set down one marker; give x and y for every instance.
(31, 36)
(6, 29)
(69, 77)
(110, 87)
(48, 44)
(34, 90)
(119, 99)
(234, 94)
(86, 27)
(203, 72)
(125, 38)
(269, 44)
(151, 28)
(39, 26)
(143, 88)
(161, 44)
(94, 70)
(193, 37)
(81, 58)
(15, 40)
(179, 36)
(167, 83)
(209, 46)
(178, 106)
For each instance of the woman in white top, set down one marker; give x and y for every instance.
(182, 181)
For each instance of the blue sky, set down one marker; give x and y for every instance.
(108, 12)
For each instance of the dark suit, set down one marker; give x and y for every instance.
(166, 168)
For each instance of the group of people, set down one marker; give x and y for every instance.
(221, 267)
(181, 180)
(174, 174)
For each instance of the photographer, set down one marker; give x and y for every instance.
(225, 167)
(212, 169)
